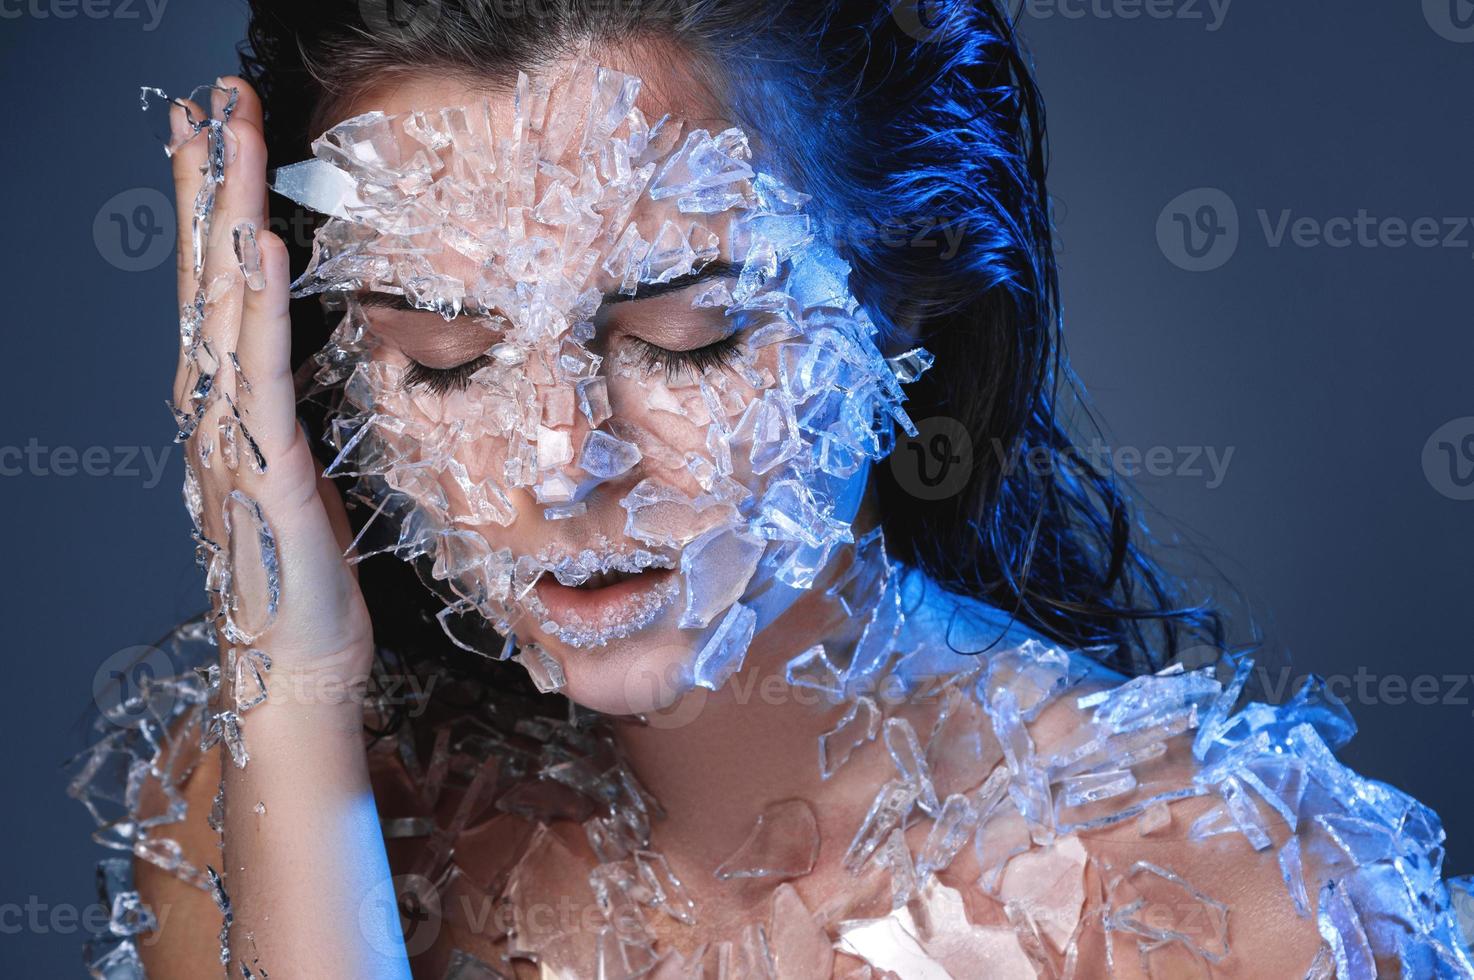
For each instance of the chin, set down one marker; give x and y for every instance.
(639, 674)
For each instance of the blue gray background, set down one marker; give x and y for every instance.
(1332, 368)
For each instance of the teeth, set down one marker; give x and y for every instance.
(601, 579)
(592, 570)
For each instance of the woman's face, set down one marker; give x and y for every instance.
(606, 372)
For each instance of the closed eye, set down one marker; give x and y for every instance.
(697, 360)
(441, 381)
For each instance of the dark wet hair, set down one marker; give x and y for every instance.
(904, 120)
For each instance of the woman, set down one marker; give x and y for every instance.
(614, 314)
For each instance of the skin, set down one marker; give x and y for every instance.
(639, 673)
(297, 876)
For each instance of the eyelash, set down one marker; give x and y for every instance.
(715, 356)
(442, 381)
(651, 358)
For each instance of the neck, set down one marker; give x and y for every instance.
(715, 758)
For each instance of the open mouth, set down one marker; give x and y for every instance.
(602, 588)
(589, 599)
(601, 580)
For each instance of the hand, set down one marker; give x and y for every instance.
(236, 401)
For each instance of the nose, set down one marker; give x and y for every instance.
(574, 454)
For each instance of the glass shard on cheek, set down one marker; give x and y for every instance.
(454, 211)
(538, 209)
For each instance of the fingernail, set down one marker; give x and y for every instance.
(223, 95)
(179, 128)
(231, 143)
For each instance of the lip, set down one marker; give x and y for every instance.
(608, 607)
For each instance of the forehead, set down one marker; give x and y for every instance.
(671, 82)
(670, 87)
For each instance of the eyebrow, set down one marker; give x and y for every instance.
(719, 269)
(647, 290)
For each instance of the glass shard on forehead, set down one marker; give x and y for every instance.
(961, 844)
(540, 210)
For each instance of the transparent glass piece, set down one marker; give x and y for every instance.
(1154, 818)
(999, 836)
(895, 856)
(248, 255)
(961, 751)
(949, 833)
(1095, 786)
(1341, 927)
(1159, 905)
(889, 808)
(905, 751)
(545, 672)
(813, 670)
(796, 938)
(464, 966)
(1292, 870)
(251, 584)
(667, 892)
(724, 651)
(603, 456)
(783, 844)
(860, 724)
(716, 567)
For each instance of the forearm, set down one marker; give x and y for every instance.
(308, 878)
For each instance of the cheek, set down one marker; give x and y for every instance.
(671, 420)
(459, 481)
(666, 422)
(475, 490)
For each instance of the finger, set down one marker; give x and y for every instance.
(264, 351)
(240, 202)
(247, 104)
(206, 208)
(332, 502)
(238, 199)
(188, 163)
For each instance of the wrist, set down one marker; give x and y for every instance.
(328, 690)
(334, 682)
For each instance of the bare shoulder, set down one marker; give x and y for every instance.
(1194, 905)
(1258, 854)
